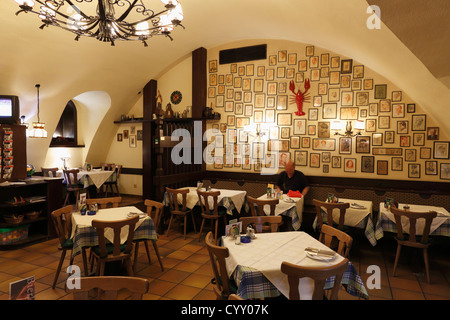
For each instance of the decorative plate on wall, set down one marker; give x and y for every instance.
(176, 97)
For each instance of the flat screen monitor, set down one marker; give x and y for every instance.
(9, 109)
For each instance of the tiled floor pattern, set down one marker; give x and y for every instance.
(188, 273)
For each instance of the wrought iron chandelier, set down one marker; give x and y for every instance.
(135, 21)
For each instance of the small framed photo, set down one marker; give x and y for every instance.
(323, 129)
(396, 96)
(411, 107)
(283, 159)
(324, 144)
(425, 153)
(433, 133)
(356, 85)
(368, 84)
(377, 139)
(284, 119)
(358, 72)
(350, 164)
(371, 125)
(397, 164)
(292, 59)
(384, 122)
(306, 142)
(336, 161)
(345, 145)
(299, 126)
(314, 160)
(335, 62)
(380, 91)
(413, 170)
(362, 144)
(431, 168)
(301, 158)
(282, 102)
(246, 163)
(385, 105)
(212, 66)
(398, 110)
(347, 98)
(405, 141)
(258, 150)
(273, 60)
(382, 167)
(295, 142)
(119, 137)
(363, 113)
(314, 62)
(410, 155)
(445, 171)
(140, 135)
(418, 122)
(302, 65)
(329, 111)
(346, 66)
(367, 164)
(313, 114)
(309, 51)
(285, 132)
(362, 98)
(132, 141)
(333, 95)
(418, 139)
(389, 137)
(441, 149)
(282, 56)
(402, 126)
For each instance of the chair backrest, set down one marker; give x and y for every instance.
(49, 172)
(259, 223)
(203, 200)
(117, 168)
(104, 203)
(154, 211)
(110, 287)
(116, 226)
(217, 257)
(173, 199)
(318, 274)
(106, 166)
(328, 233)
(62, 218)
(259, 204)
(71, 177)
(329, 207)
(413, 217)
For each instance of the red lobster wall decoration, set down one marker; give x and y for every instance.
(300, 97)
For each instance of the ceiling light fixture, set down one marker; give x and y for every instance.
(102, 23)
(38, 130)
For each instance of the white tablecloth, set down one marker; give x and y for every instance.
(269, 250)
(442, 216)
(97, 177)
(111, 214)
(353, 215)
(283, 206)
(236, 196)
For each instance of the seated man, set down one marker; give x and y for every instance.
(292, 179)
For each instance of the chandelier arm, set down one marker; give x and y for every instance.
(154, 15)
(78, 10)
(127, 12)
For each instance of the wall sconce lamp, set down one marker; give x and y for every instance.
(337, 126)
(258, 129)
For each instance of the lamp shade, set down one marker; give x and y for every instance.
(359, 125)
(336, 125)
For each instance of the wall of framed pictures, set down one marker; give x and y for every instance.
(259, 128)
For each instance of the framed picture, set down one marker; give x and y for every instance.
(295, 142)
(345, 145)
(284, 119)
(292, 59)
(213, 66)
(380, 91)
(323, 88)
(315, 75)
(367, 164)
(432, 133)
(329, 111)
(398, 110)
(410, 155)
(258, 116)
(258, 150)
(418, 139)
(347, 98)
(418, 122)
(259, 100)
(405, 141)
(371, 125)
(323, 129)
(356, 85)
(140, 135)
(125, 134)
(282, 56)
(324, 144)
(358, 72)
(301, 158)
(402, 126)
(349, 113)
(335, 62)
(382, 167)
(350, 164)
(411, 107)
(313, 114)
(302, 65)
(306, 142)
(413, 170)
(326, 157)
(258, 85)
(445, 171)
(441, 150)
(385, 105)
(346, 66)
(309, 51)
(345, 81)
(299, 126)
(397, 164)
(368, 84)
(377, 139)
(333, 95)
(282, 102)
(425, 153)
(281, 72)
(229, 106)
(389, 137)
(336, 161)
(133, 141)
(387, 151)
(283, 159)
(384, 122)
(285, 132)
(373, 109)
(396, 96)
(362, 98)
(314, 160)
(314, 62)
(362, 144)
(270, 161)
(270, 115)
(335, 77)
(119, 137)
(312, 130)
(326, 168)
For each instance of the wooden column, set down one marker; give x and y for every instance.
(150, 91)
(199, 82)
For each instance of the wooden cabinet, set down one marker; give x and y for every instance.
(41, 195)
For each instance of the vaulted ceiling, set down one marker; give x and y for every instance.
(411, 50)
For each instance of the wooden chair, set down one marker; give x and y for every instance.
(72, 186)
(412, 241)
(234, 297)
(329, 207)
(107, 252)
(211, 214)
(109, 287)
(50, 172)
(158, 206)
(262, 224)
(62, 219)
(223, 285)
(104, 203)
(106, 166)
(257, 206)
(328, 234)
(113, 180)
(318, 274)
(175, 209)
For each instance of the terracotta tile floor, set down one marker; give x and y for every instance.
(188, 273)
